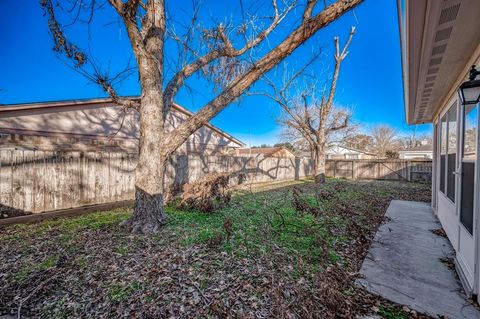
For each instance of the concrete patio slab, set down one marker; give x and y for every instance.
(403, 264)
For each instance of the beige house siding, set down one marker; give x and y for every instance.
(96, 124)
(343, 152)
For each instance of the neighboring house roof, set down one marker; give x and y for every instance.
(25, 109)
(420, 148)
(265, 151)
(440, 41)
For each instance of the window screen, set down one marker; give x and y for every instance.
(452, 151)
(466, 209)
(469, 158)
(443, 152)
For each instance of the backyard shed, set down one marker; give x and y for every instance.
(418, 152)
(96, 124)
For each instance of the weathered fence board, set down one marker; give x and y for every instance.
(39, 181)
(383, 169)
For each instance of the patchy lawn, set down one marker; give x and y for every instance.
(281, 251)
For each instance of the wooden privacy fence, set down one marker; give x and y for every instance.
(40, 181)
(383, 169)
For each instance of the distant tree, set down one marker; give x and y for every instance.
(361, 142)
(414, 140)
(391, 154)
(262, 146)
(313, 119)
(384, 139)
(287, 145)
(205, 51)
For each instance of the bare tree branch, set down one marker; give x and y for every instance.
(79, 58)
(339, 57)
(315, 121)
(227, 50)
(307, 13)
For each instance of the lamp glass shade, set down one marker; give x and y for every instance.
(470, 92)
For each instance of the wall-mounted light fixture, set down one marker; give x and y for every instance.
(470, 90)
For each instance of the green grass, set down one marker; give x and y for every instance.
(70, 225)
(389, 312)
(263, 220)
(252, 221)
(30, 267)
(122, 292)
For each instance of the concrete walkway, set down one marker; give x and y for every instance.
(403, 264)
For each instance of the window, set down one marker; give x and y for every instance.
(448, 152)
(443, 152)
(469, 156)
(351, 156)
(452, 152)
(470, 133)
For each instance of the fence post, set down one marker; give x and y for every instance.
(354, 169)
(408, 170)
(82, 175)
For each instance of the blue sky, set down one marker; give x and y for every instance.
(370, 82)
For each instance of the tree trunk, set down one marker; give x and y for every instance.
(319, 161)
(148, 214)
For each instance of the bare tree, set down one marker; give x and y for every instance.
(361, 142)
(315, 120)
(413, 140)
(148, 30)
(384, 140)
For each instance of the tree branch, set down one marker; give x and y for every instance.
(118, 5)
(71, 52)
(339, 57)
(125, 102)
(344, 52)
(243, 81)
(340, 126)
(307, 13)
(227, 50)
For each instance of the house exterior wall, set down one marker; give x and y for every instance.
(415, 155)
(339, 152)
(467, 246)
(103, 126)
(440, 42)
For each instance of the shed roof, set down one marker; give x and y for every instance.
(23, 109)
(420, 148)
